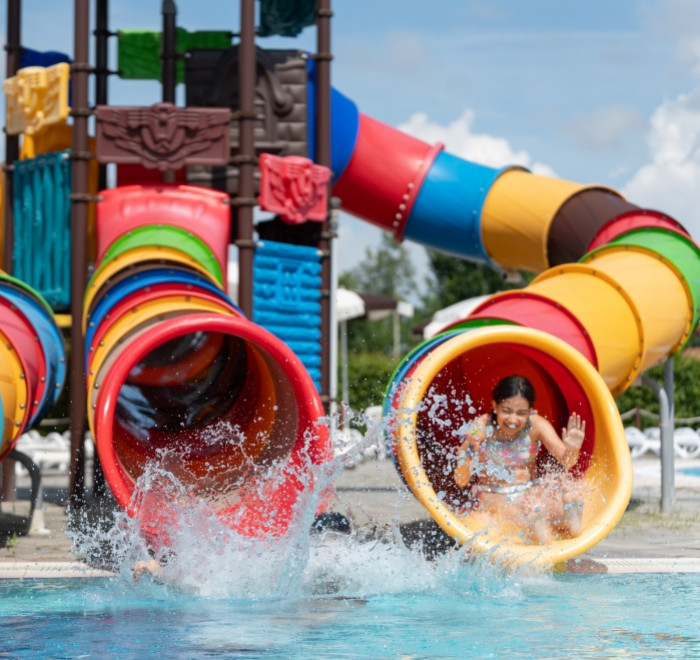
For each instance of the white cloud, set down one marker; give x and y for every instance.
(461, 141)
(671, 181)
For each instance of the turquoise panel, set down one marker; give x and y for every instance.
(41, 208)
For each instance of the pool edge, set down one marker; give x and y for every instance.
(23, 570)
(633, 565)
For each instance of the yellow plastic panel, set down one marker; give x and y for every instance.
(516, 217)
(608, 479)
(57, 137)
(13, 390)
(660, 293)
(607, 312)
(36, 97)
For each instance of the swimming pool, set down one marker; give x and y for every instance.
(438, 611)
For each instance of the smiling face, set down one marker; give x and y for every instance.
(512, 415)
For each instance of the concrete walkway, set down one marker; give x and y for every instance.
(374, 497)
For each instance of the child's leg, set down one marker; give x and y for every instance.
(573, 516)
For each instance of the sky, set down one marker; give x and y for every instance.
(603, 92)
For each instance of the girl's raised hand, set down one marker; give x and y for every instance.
(575, 432)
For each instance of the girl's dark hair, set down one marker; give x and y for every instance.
(514, 386)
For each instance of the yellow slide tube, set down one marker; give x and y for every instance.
(595, 298)
(13, 395)
(607, 479)
(517, 214)
(660, 292)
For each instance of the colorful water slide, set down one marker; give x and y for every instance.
(178, 378)
(32, 360)
(618, 292)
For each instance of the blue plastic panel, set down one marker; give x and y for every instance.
(286, 295)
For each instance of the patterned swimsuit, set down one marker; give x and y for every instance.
(500, 458)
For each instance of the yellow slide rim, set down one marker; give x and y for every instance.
(609, 473)
(134, 257)
(152, 311)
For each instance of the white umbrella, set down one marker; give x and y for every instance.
(348, 305)
(352, 305)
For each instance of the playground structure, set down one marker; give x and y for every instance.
(164, 347)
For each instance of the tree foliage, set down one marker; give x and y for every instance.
(455, 279)
(368, 376)
(686, 376)
(386, 270)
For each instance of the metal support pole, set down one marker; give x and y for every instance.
(397, 334)
(102, 67)
(245, 199)
(323, 157)
(669, 387)
(667, 450)
(14, 54)
(333, 384)
(79, 212)
(169, 63)
(345, 385)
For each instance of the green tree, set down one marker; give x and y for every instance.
(386, 270)
(686, 376)
(454, 279)
(368, 377)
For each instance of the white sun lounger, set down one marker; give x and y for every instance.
(686, 441)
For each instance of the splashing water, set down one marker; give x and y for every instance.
(320, 591)
(202, 555)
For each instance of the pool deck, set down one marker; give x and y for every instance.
(373, 496)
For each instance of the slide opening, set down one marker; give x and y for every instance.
(453, 384)
(211, 417)
(465, 384)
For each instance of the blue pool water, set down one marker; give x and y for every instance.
(467, 613)
(332, 595)
(693, 472)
